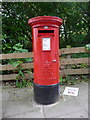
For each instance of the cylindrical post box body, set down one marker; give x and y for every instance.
(45, 33)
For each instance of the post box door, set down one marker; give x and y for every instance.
(47, 62)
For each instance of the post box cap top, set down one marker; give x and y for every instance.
(42, 20)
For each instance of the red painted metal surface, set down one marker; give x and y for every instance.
(45, 32)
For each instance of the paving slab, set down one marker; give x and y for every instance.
(6, 91)
(65, 106)
(29, 114)
(77, 114)
(83, 96)
(0, 102)
(19, 103)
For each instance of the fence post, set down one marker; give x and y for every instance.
(68, 56)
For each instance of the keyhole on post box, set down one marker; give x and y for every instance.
(54, 60)
(55, 57)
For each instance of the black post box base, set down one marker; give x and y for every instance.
(46, 94)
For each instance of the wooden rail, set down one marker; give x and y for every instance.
(63, 72)
(10, 67)
(30, 54)
(73, 50)
(65, 61)
(16, 55)
(62, 62)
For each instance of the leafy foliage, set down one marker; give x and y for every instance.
(15, 29)
(67, 80)
(87, 46)
(72, 80)
(20, 79)
(18, 49)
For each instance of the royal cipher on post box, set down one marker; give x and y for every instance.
(45, 34)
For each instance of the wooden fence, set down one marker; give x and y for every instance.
(67, 61)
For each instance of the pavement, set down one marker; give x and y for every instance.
(19, 103)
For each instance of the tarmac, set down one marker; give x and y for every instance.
(19, 103)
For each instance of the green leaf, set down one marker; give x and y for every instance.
(28, 59)
(15, 64)
(21, 73)
(87, 46)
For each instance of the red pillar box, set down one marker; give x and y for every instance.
(45, 32)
